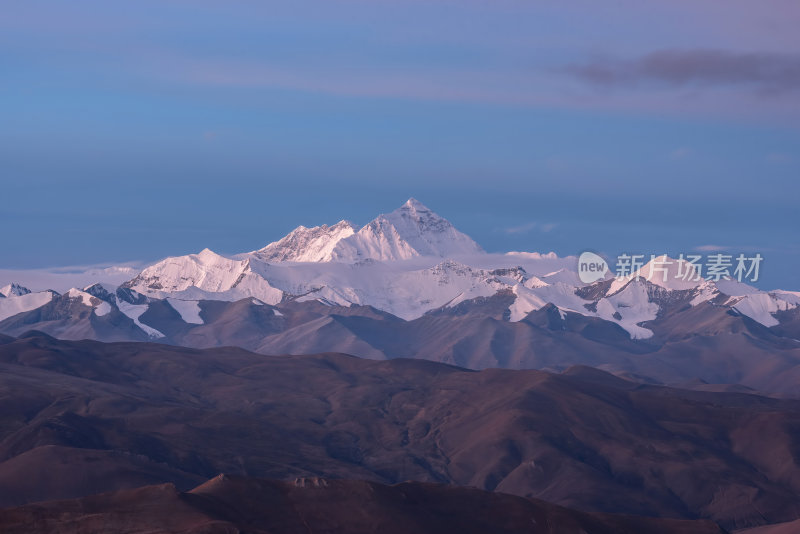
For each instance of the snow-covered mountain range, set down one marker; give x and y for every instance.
(413, 273)
(412, 261)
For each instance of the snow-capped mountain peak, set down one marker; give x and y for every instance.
(428, 233)
(664, 271)
(13, 290)
(411, 230)
(198, 275)
(307, 244)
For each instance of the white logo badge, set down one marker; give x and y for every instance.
(591, 267)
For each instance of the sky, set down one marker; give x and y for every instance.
(130, 131)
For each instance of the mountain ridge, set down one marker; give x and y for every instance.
(581, 438)
(315, 505)
(437, 290)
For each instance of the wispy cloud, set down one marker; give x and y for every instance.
(732, 248)
(536, 87)
(516, 57)
(521, 229)
(530, 227)
(711, 248)
(766, 72)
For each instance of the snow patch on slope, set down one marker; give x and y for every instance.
(628, 308)
(134, 311)
(84, 297)
(534, 298)
(705, 292)
(23, 303)
(189, 310)
(104, 308)
(761, 306)
(99, 306)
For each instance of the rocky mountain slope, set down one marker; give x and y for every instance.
(88, 417)
(690, 345)
(314, 505)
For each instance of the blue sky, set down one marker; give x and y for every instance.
(136, 130)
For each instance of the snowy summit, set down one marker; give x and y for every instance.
(410, 231)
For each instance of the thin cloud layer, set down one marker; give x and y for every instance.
(530, 227)
(762, 71)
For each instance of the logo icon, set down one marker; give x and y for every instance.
(591, 267)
